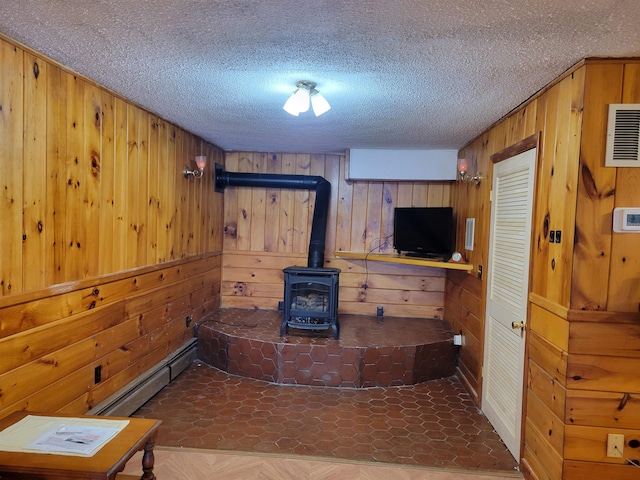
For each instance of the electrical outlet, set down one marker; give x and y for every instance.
(615, 445)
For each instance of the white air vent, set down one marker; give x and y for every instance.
(623, 135)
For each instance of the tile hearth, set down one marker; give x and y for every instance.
(371, 351)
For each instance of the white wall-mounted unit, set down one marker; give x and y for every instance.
(396, 165)
(623, 135)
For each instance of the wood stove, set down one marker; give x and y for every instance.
(311, 292)
(310, 299)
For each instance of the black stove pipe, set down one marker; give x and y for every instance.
(321, 186)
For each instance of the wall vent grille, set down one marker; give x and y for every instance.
(623, 136)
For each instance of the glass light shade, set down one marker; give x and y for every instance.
(302, 100)
(290, 106)
(201, 161)
(319, 104)
(463, 166)
(298, 102)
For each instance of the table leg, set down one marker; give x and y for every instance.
(148, 460)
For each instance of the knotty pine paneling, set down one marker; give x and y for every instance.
(560, 114)
(11, 168)
(86, 176)
(255, 280)
(540, 415)
(548, 357)
(463, 306)
(132, 322)
(268, 230)
(34, 155)
(547, 389)
(546, 365)
(605, 409)
(360, 213)
(106, 246)
(541, 459)
(588, 444)
(530, 466)
(584, 292)
(556, 115)
(611, 339)
(596, 192)
(577, 470)
(624, 283)
(603, 373)
(606, 263)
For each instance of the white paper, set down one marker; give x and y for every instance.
(79, 439)
(60, 435)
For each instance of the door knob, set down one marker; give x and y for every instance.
(519, 325)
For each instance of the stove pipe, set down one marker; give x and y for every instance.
(321, 186)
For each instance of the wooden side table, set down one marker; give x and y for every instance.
(139, 434)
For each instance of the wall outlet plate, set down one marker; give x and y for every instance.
(615, 445)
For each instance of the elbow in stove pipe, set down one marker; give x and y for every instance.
(321, 186)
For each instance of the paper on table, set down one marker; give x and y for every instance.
(60, 435)
(73, 439)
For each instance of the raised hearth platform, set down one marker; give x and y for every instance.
(369, 353)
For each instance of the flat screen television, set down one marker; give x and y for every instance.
(426, 232)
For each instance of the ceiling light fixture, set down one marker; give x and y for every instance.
(306, 93)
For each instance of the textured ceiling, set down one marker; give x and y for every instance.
(398, 73)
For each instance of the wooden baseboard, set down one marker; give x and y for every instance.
(470, 390)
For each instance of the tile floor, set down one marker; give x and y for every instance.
(434, 423)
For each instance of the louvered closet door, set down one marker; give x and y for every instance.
(507, 291)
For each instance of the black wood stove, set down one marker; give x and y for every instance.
(310, 299)
(310, 293)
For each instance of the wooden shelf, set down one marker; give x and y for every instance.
(395, 258)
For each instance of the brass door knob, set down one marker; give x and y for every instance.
(519, 325)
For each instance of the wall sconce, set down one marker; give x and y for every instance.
(201, 162)
(466, 177)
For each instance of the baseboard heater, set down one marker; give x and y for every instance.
(131, 397)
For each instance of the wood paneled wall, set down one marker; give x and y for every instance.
(92, 184)
(52, 340)
(606, 264)
(557, 119)
(106, 247)
(604, 319)
(266, 230)
(582, 344)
